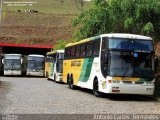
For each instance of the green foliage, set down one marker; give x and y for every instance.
(94, 21)
(128, 16)
(128, 23)
(148, 28)
(4, 14)
(18, 41)
(60, 44)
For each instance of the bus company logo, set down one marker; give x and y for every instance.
(76, 63)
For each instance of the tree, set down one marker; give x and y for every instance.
(128, 16)
(94, 21)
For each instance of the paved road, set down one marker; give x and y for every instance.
(38, 95)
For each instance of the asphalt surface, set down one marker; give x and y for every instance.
(21, 95)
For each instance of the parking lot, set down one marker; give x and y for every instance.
(39, 96)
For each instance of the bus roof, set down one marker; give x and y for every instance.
(112, 35)
(124, 35)
(35, 55)
(82, 41)
(54, 52)
(13, 54)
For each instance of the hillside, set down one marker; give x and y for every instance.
(49, 6)
(37, 28)
(51, 23)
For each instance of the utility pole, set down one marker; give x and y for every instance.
(1, 13)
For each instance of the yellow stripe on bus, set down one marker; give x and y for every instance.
(126, 78)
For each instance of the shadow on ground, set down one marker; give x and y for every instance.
(123, 97)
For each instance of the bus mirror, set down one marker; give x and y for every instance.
(156, 63)
(2, 61)
(105, 58)
(21, 60)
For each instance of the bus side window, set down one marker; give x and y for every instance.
(68, 52)
(57, 56)
(104, 60)
(89, 49)
(77, 51)
(96, 48)
(72, 51)
(83, 51)
(104, 44)
(104, 50)
(65, 53)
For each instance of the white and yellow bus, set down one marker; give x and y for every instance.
(111, 63)
(35, 65)
(49, 60)
(55, 69)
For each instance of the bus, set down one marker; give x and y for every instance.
(14, 64)
(1, 65)
(35, 65)
(49, 60)
(111, 63)
(54, 65)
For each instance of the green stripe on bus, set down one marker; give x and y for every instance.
(86, 69)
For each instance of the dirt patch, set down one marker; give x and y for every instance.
(36, 28)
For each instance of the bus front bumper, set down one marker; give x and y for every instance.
(130, 89)
(34, 73)
(12, 72)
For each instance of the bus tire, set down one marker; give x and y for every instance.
(47, 76)
(70, 83)
(96, 89)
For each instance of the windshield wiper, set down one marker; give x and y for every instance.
(35, 66)
(126, 72)
(12, 66)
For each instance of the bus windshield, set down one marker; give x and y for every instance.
(12, 64)
(120, 64)
(129, 64)
(131, 44)
(35, 65)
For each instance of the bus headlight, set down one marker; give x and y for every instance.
(109, 81)
(148, 82)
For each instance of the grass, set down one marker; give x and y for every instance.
(52, 6)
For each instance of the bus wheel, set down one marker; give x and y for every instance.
(70, 83)
(47, 76)
(96, 88)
